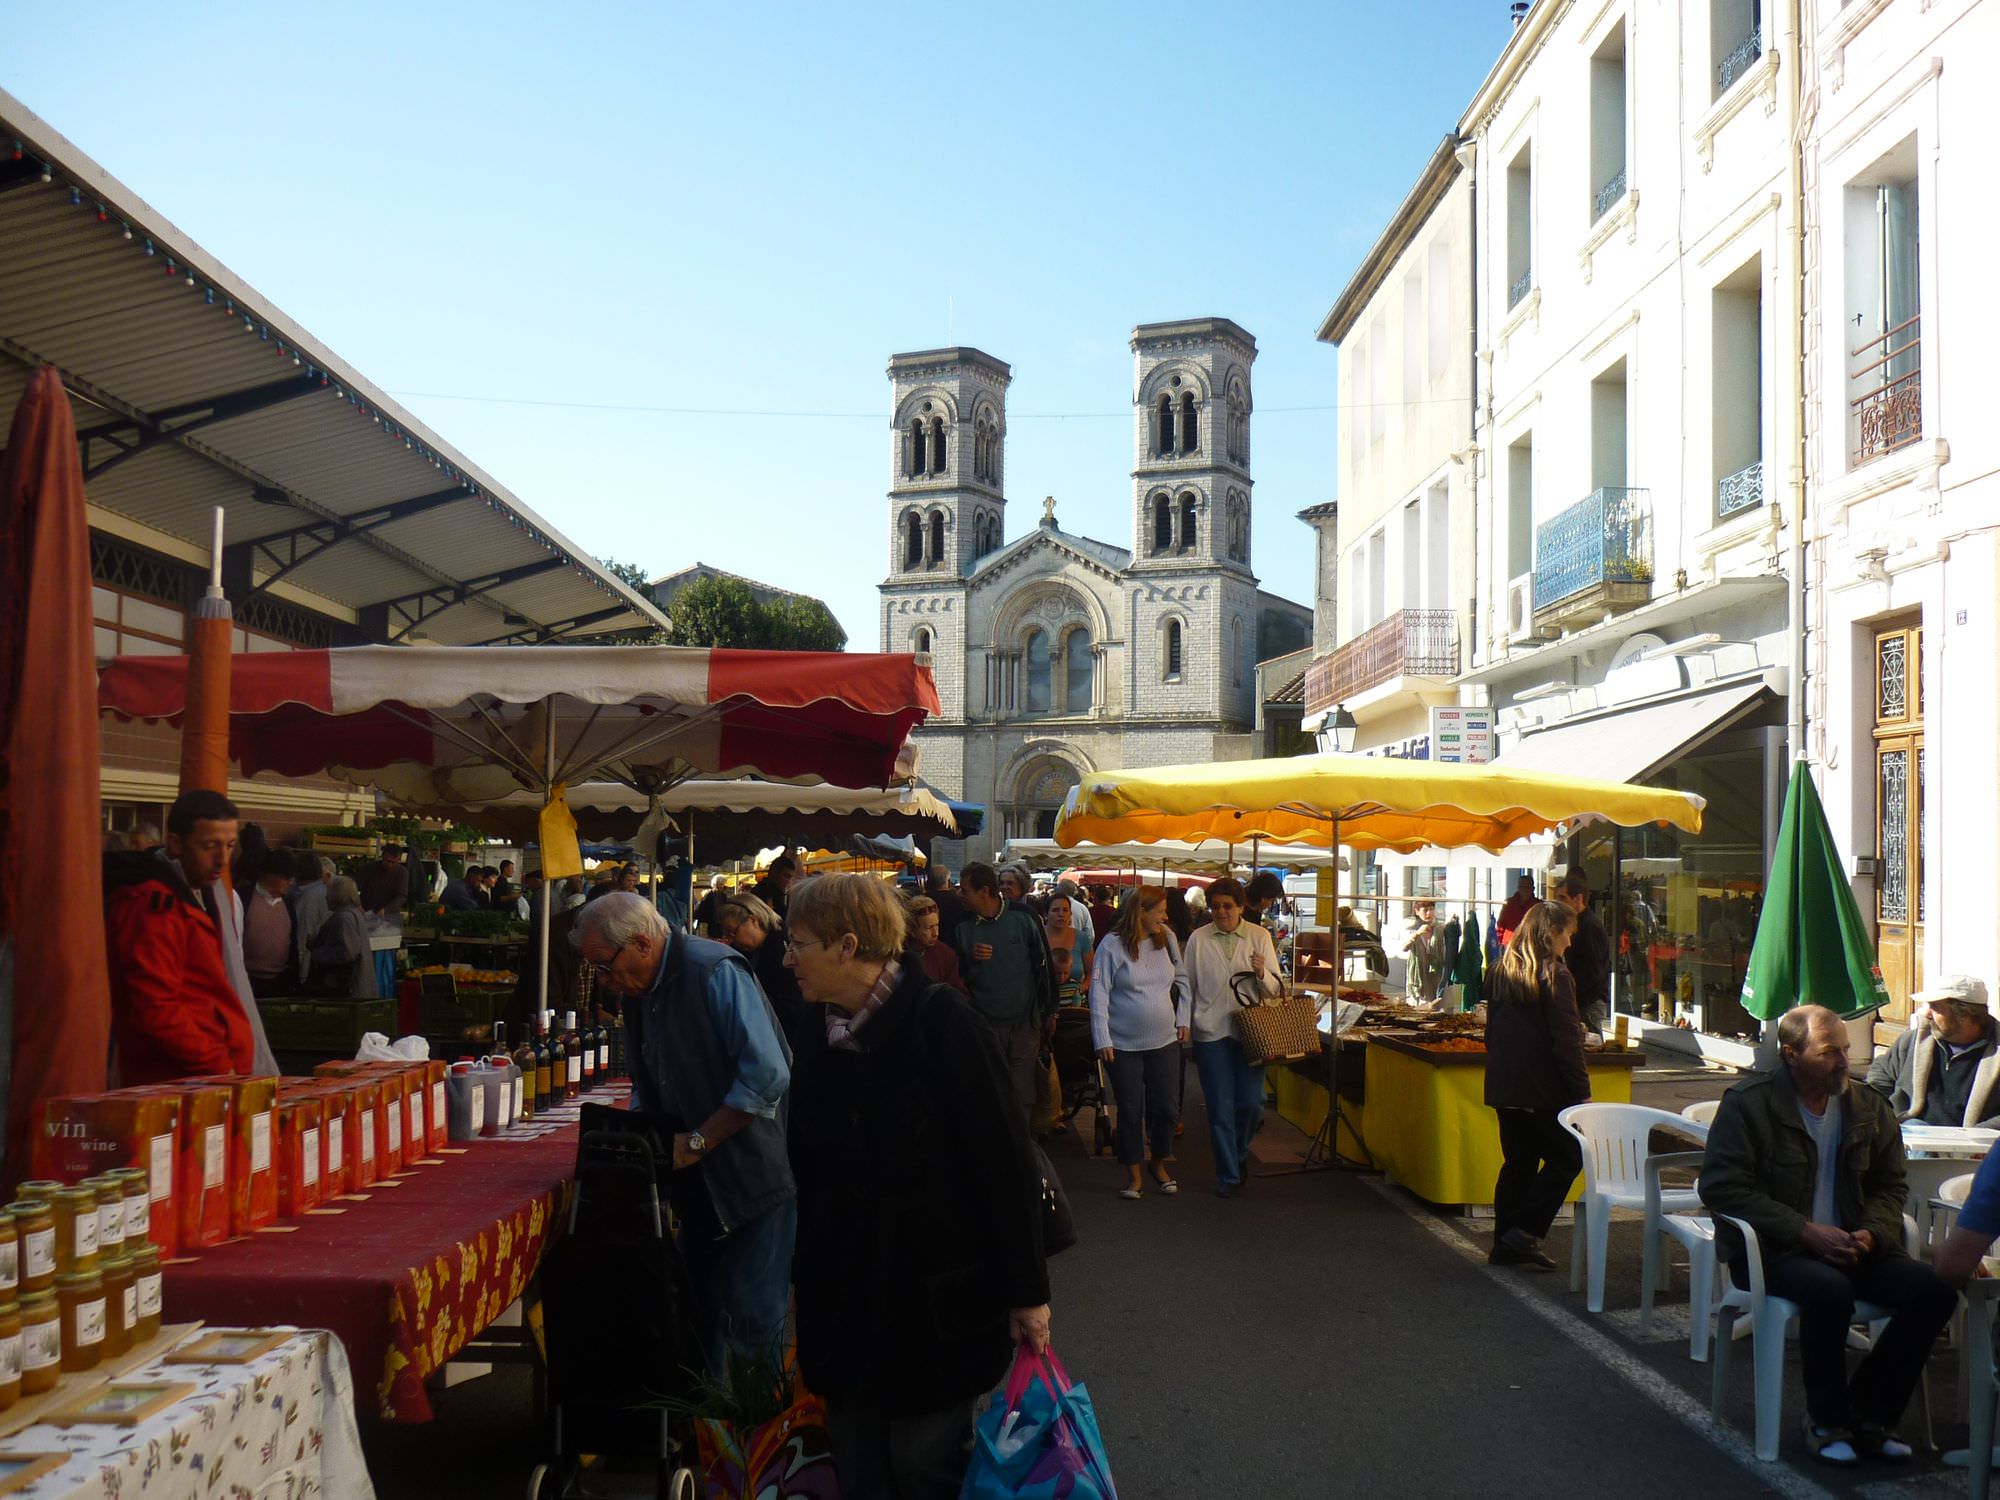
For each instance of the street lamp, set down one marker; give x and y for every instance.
(1338, 735)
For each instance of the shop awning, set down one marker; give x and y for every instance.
(1630, 744)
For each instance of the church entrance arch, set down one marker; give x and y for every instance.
(1039, 790)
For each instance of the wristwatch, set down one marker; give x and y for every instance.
(697, 1143)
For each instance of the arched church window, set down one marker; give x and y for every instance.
(937, 537)
(913, 541)
(1171, 657)
(921, 642)
(1187, 522)
(1166, 434)
(937, 445)
(1239, 426)
(917, 464)
(1189, 429)
(1163, 524)
(1036, 650)
(1077, 664)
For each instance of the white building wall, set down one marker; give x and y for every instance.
(1909, 536)
(1630, 294)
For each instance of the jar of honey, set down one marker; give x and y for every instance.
(41, 1342)
(80, 1299)
(138, 1189)
(10, 1353)
(146, 1288)
(39, 1187)
(10, 1259)
(35, 1226)
(121, 1303)
(76, 1228)
(110, 1213)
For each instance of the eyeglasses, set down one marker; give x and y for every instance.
(605, 967)
(793, 945)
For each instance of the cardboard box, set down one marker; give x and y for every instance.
(84, 1134)
(301, 1153)
(201, 1160)
(253, 1167)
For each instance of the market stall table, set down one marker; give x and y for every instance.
(1427, 1122)
(405, 1273)
(279, 1423)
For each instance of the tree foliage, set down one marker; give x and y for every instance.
(724, 612)
(630, 573)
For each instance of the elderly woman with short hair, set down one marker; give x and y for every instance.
(341, 956)
(920, 1260)
(749, 925)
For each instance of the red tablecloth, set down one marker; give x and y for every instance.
(405, 1279)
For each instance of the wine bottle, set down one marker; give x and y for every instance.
(524, 1059)
(572, 1048)
(589, 1055)
(603, 1052)
(546, 1092)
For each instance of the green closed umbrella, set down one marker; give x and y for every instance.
(1812, 945)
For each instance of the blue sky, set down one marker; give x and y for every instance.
(730, 215)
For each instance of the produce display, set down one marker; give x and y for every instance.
(468, 977)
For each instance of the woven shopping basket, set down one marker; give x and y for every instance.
(1273, 1031)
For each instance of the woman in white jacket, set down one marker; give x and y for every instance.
(1233, 1089)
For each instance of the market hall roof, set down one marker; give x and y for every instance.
(192, 391)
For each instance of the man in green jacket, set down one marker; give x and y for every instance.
(1004, 958)
(1816, 1168)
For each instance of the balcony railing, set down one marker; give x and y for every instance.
(1607, 539)
(1888, 414)
(1608, 196)
(1409, 643)
(1520, 288)
(1741, 491)
(1738, 62)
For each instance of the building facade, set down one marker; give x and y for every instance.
(1904, 462)
(1056, 654)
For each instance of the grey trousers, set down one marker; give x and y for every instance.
(1019, 1047)
(879, 1457)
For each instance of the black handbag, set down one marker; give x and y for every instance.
(1058, 1223)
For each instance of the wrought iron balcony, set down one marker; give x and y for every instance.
(1888, 414)
(1408, 643)
(1739, 60)
(1520, 288)
(1741, 491)
(1595, 558)
(1608, 196)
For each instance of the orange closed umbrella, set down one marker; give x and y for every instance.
(51, 884)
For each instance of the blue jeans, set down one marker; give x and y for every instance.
(1234, 1091)
(743, 1285)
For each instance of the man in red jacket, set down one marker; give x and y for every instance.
(174, 1012)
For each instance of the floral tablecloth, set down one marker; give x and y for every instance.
(406, 1278)
(278, 1428)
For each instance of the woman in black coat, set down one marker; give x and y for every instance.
(919, 1260)
(1534, 1071)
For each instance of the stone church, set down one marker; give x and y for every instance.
(1055, 653)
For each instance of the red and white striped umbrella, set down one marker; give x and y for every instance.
(467, 724)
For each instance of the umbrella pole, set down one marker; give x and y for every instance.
(545, 919)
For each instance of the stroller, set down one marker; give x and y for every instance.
(1082, 1076)
(619, 1316)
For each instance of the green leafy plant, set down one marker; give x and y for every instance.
(753, 1392)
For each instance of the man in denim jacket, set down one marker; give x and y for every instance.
(710, 1062)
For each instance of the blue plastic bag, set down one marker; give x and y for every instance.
(1041, 1442)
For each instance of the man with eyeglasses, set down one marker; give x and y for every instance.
(711, 1064)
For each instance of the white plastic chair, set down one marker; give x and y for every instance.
(1702, 1113)
(1770, 1317)
(1616, 1146)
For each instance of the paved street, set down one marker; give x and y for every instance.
(1325, 1335)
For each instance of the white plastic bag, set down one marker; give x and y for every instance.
(376, 1047)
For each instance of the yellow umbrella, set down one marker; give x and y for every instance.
(1365, 802)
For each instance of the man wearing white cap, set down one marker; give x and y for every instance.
(1945, 1069)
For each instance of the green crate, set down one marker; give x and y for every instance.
(451, 1015)
(331, 1025)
